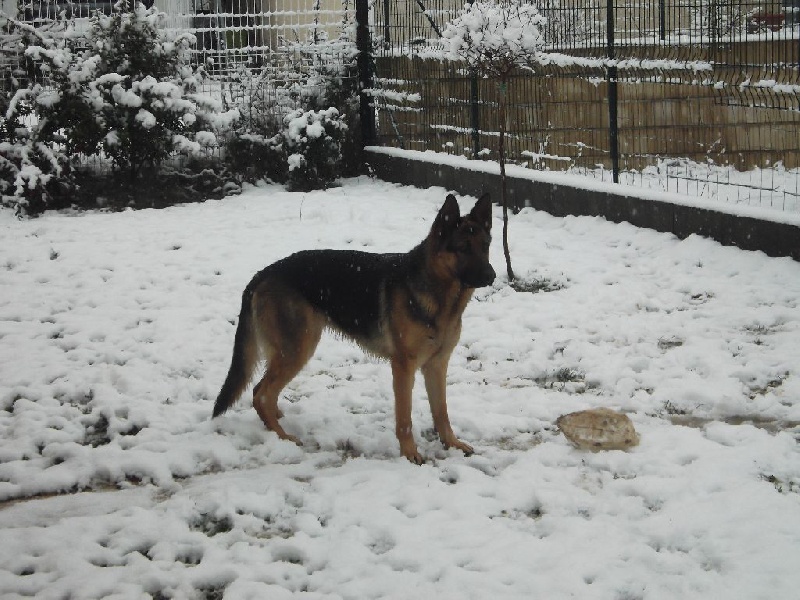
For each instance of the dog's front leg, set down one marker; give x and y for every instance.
(403, 382)
(435, 372)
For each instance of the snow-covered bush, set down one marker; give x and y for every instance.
(133, 93)
(254, 156)
(312, 145)
(127, 93)
(331, 81)
(305, 154)
(494, 38)
(315, 82)
(32, 173)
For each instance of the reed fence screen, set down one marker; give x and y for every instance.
(705, 100)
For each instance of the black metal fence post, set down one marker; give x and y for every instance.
(475, 115)
(364, 62)
(387, 32)
(611, 77)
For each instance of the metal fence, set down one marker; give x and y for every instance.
(707, 104)
(706, 101)
(247, 47)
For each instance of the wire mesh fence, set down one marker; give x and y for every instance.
(702, 96)
(694, 96)
(245, 46)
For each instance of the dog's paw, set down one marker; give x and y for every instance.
(289, 438)
(459, 445)
(415, 458)
(409, 450)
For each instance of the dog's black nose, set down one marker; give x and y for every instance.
(478, 278)
(490, 276)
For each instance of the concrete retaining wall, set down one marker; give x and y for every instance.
(774, 238)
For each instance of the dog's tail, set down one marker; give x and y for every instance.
(244, 360)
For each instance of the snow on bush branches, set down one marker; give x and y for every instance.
(299, 121)
(313, 146)
(127, 93)
(494, 37)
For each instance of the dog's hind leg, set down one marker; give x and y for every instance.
(289, 333)
(265, 399)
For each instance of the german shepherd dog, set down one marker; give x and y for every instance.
(402, 307)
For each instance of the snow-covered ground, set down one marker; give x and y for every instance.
(116, 332)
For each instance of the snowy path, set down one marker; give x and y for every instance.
(116, 332)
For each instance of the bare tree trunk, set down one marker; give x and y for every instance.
(503, 89)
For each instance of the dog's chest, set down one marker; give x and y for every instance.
(436, 325)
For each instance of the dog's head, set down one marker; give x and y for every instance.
(461, 244)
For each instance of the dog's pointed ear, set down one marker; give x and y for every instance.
(482, 212)
(447, 219)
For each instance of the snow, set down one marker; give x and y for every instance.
(393, 95)
(206, 139)
(296, 161)
(115, 335)
(49, 98)
(146, 119)
(304, 125)
(125, 97)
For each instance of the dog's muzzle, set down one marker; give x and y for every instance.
(479, 277)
